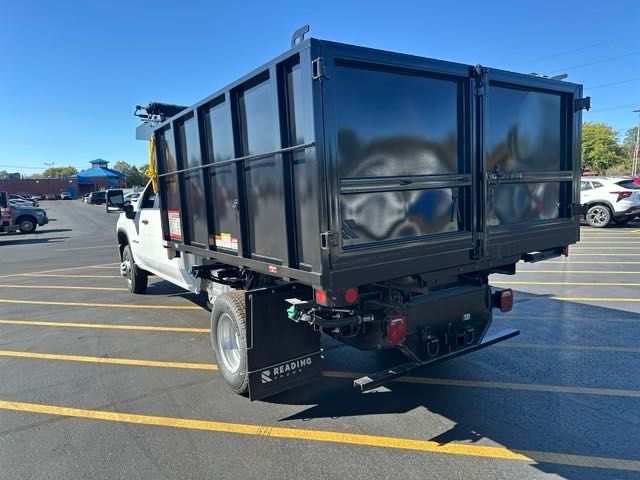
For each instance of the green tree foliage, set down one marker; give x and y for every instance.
(3, 174)
(600, 148)
(59, 172)
(628, 142)
(136, 177)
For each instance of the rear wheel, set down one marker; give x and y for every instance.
(598, 216)
(229, 339)
(137, 279)
(26, 225)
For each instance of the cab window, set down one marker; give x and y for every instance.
(585, 186)
(149, 198)
(596, 184)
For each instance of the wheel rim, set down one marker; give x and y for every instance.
(598, 216)
(125, 269)
(228, 343)
(26, 225)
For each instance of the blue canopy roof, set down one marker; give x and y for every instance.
(99, 172)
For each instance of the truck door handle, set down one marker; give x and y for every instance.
(146, 222)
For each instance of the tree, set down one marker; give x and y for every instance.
(3, 174)
(59, 172)
(628, 142)
(600, 149)
(135, 177)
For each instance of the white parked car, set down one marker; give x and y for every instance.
(609, 199)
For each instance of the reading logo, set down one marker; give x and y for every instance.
(285, 369)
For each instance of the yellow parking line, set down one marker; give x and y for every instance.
(599, 284)
(596, 299)
(117, 361)
(101, 305)
(530, 387)
(66, 287)
(338, 374)
(105, 326)
(617, 255)
(608, 243)
(602, 248)
(616, 272)
(325, 436)
(100, 265)
(588, 262)
(63, 275)
(588, 348)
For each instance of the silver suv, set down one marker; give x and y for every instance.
(608, 199)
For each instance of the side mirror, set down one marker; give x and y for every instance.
(115, 201)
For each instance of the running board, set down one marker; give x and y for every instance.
(376, 379)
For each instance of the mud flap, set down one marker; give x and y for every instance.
(281, 354)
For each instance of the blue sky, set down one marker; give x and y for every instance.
(72, 71)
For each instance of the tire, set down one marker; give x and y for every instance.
(229, 339)
(598, 216)
(26, 224)
(622, 220)
(137, 279)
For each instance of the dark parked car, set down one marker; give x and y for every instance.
(97, 198)
(27, 219)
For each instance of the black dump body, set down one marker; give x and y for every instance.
(338, 166)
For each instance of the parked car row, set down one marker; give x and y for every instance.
(609, 199)
(20, 213)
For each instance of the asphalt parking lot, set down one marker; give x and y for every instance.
(98, 383)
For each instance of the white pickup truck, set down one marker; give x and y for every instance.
(142, 251)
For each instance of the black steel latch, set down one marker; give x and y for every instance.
(319, 68)
(582, 104)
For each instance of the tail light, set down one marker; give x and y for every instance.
(621, 195)
(321, 297)
(397, 329)
(503, 299)
(351, 295)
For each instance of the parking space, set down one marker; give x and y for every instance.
(98, 383)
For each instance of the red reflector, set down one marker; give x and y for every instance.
(321, 297)
(350, 295)
(506, 300)
(397, 330)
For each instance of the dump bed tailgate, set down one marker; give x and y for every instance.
(435, 165)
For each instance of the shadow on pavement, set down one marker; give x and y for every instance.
(528, 421)
(32, 240)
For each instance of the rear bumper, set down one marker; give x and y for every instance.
(43, 221)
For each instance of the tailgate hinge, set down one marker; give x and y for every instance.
(480, 73)
(319, 69)
(327, 240)
(582, 104)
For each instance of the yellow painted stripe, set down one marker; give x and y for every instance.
(64, 275)
(378, 441)
(529, 387)
(64, 269)
(106, 326)
(588, 348)
(117, 361)
(578, 262)
(607, 243)
(596, 299)
(101, 305)
(609, 272)
(617, 255)
(67, 287)
(337, 374)
(600, 284)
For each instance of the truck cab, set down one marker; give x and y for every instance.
(6, 224)
(141, 243)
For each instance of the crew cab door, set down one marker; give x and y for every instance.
(151, 253)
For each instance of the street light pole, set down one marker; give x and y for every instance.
(636, 148)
